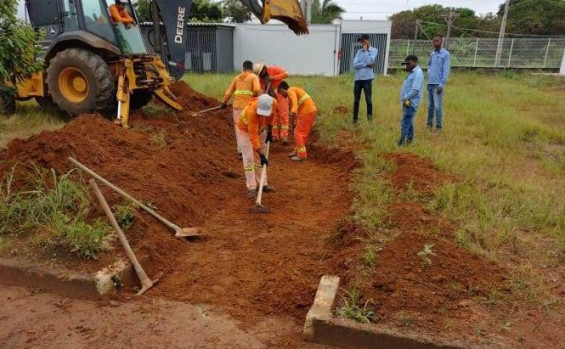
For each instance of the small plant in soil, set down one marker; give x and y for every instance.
(160, 139)
(352, 308)
(426, 254)
(370, 256)
(125, 214)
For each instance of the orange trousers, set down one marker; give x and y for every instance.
(302, 133)
(280, 128)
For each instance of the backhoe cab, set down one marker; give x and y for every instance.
(96, 59)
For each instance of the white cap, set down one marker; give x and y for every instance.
(265, 105)
(257, 67)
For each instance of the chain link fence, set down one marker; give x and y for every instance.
(538, 53)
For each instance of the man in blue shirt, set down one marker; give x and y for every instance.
(438, 72)
(410, 97)
(364, 62)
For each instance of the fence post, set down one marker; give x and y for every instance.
(476, 51)
(546, 52)
(510, 54)
(408, 48)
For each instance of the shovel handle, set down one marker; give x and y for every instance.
(263, 175)
(207, 110)
(124, 194)
(145, 281)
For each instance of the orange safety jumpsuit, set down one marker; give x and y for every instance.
(280, 127)
(120, 15)
(251, 134)
(243, 87)
(303, 106)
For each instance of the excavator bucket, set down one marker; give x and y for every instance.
(286, 11)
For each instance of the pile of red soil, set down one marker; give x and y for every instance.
(176, 162)
(427, 290)
(418, 173)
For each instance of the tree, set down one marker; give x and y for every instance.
(236, 11)
(325, 12)
(205, 11)
(143, 11)
(18, 49)
(539, 17)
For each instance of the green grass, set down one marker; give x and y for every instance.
(52, 210)
(28, 120)
(353, 308)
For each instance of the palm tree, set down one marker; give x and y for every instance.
(325, 12)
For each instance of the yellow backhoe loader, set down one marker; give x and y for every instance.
(96, 63)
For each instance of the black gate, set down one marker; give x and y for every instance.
(349, 47)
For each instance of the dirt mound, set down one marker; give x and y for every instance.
(340, 109)
(408, 216)
(427, 285)
(416, 172)
(175, 162)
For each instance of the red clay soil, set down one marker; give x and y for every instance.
(418, 173)
(248, 263)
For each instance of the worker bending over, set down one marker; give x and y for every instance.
(303, 111)
(120, 15)
(243, 87)
(275, 75)
(254, 130)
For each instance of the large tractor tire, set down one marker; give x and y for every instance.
(46, 102)
(79, 81)
(139, 99)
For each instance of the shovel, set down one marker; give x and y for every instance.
(206, 110)
(258, 208)
(179, 232)
(146, 282)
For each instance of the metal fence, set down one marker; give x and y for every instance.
(538, 53)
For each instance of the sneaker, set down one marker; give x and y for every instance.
(268, 189)
(251, 194)
(291, 154)
(296, 158)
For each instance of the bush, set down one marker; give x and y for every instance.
(54, 208)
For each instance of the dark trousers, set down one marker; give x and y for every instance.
(365, 85)
(407, 126)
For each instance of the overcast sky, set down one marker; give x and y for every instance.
(381, 9)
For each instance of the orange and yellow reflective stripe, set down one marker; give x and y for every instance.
(243, 92)
(303, 98)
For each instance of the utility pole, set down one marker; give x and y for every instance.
(501, 35)
(449, 19)
(416, 35)
(307, 10)
(562, 70)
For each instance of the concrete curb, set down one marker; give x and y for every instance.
(67, 283)
(322, 327)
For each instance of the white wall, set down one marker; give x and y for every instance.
(562, 71)
(313, 54)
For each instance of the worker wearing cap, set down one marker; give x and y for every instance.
(410, 97)
(364, 62)
(275, 75)
(254, 130)
(303, 110)
(120, 15)
(243, 87)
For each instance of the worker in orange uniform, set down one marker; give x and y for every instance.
(254, 131)
(243, 87)
(120, 15)
(303, 110)
(275, 75)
